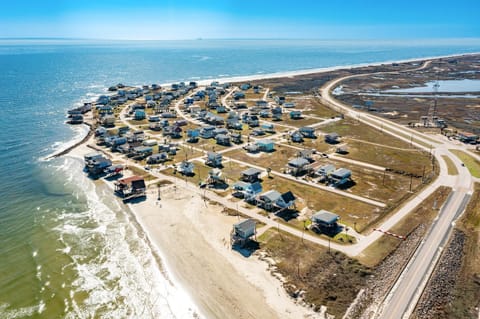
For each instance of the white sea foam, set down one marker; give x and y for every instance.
(20, 312)
(57, 147)
(123, 278)
(41, 307)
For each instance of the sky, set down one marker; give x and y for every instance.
(278, 19)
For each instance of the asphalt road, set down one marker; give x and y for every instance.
(405, 294)
(412, 281)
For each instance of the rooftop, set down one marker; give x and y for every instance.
(326, 217)
(342, 172)
(129, 180)
(251, 171)
(298, 162)
(245, 225)
(272, 195)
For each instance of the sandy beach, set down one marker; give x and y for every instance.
(194, 238)
(191, 237)
(277, 75)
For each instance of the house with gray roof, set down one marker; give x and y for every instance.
(325, 219)
(214, 159)
(251, 175)
(298, 166)
(307, 131)
(275, 200)
(332, 138)
(242, 231)
(340, 176)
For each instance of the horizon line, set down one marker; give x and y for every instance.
(239, 39)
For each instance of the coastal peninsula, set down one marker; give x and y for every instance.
(339, 183)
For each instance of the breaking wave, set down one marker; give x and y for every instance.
(117, 275)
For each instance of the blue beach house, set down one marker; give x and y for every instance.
(266, 145)
(139, 115)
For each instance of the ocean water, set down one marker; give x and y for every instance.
(68, 248)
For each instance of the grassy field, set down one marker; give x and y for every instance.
(385, 187)
(210, 144)
(312, 106)
(368, 183)
(185, 152)
(424, 213)
(471, 163)
(452, 169)
(408, 161)
(466, 292)
(298, 123)
(140, 172)
(357, 130)
(316, 143)
(276, 160)
(330, 279)
(233, 171)
(350, 211)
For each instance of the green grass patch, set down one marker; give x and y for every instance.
(398, 160)
(315, 107)
(406, 136)
(471, 163)
(276, 160)
(452, 169)
(351, 128)
(466, 293)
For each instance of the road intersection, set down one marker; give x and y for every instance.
(405, 293)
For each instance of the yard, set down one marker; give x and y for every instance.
(410, 161)
(316, 143)
(386, 187)
(349, 128)
(209, 144)
(200, 170)
(185, 153)
(351, 212)
(304, 121)
(314, 107)
(276, 160)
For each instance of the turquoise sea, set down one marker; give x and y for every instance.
(67, 248)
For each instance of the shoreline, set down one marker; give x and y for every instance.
(191, 250)
(282, 74)
(162, 240)
(266, 76)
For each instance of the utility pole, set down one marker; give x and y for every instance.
(298, 268)
(304, 227)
